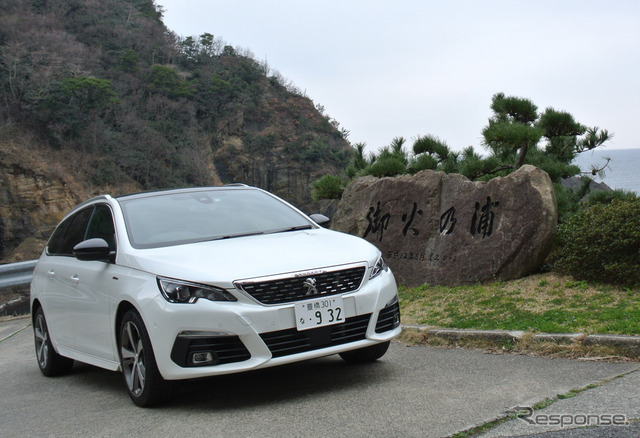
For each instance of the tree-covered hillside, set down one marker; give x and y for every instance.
(99, 96)
(107, 79)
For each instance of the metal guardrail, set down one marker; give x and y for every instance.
(16, 274)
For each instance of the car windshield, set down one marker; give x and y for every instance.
(174, 218)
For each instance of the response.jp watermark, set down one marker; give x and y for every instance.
(530, 416)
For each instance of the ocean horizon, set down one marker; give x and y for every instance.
(623, 171)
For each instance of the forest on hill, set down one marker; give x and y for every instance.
(106, 78)
(99, 96)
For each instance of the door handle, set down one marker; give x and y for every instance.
(75, 279)
(51, 273)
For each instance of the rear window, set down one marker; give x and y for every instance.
(69, 233)
(90, 222)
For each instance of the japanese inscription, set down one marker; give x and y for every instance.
(482, 222)
(432, 257)
(409, 221)
(378, 222)
(448, 221)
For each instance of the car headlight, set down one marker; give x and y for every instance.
(176, 291)
(378, 268)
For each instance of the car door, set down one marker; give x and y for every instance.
(93, 280)
(59, 289)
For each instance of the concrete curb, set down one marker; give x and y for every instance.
(628, 344)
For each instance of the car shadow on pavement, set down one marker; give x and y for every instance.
(280, 384)
(96, 379)
(248, 389)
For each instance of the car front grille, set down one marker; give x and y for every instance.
(292, 288)
(389, 317)
(224, 349)
(291, 341)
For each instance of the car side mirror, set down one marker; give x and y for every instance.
(321, 220)
(92, 249)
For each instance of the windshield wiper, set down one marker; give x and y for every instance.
(231, 236)
(256, 233)
(296, 228)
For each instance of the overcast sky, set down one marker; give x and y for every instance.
(385, 69)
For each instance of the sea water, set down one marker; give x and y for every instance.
(623, 171)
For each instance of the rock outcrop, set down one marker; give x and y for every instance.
(441, 228)
(283, 151)
(31, 205)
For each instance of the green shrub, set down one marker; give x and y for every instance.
(423, 162)
(328, 187)
(130, 62)
(607, 196)
(164, 80)
(387, 166)
(602, 243)
(568, 202)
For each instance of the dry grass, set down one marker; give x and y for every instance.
(525, 345)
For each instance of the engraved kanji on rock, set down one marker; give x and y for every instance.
(444, 229)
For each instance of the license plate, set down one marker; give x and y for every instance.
(319, 313)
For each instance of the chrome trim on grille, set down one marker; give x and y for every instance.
(284, 288)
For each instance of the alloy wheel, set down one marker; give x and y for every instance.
(132, 352)
(42, 341)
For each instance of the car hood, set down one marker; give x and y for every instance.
(221, 262)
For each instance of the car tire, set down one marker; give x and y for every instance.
(50, 363)
(143, 380)
(366, 354)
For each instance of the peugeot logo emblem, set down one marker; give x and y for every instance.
(310, 284)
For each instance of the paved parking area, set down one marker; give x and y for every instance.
(411, 392)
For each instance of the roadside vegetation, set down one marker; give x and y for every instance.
(538, 304)
(602, 243)
(549, 303)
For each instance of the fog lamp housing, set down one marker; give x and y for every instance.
(202, 358)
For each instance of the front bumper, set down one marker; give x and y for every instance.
(212, 338)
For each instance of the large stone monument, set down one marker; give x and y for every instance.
(439, 228)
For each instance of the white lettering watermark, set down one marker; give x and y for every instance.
(526, 414)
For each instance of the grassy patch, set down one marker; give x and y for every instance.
(540, 303)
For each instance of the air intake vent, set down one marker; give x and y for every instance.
(291, 341)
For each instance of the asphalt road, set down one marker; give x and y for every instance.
(411, 392)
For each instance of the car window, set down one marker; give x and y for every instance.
(101, 226)
(74, 232)
(53, 246)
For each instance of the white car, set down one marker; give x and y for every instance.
(188, 283)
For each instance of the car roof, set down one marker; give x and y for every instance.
(235, 186)
(106, 197)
